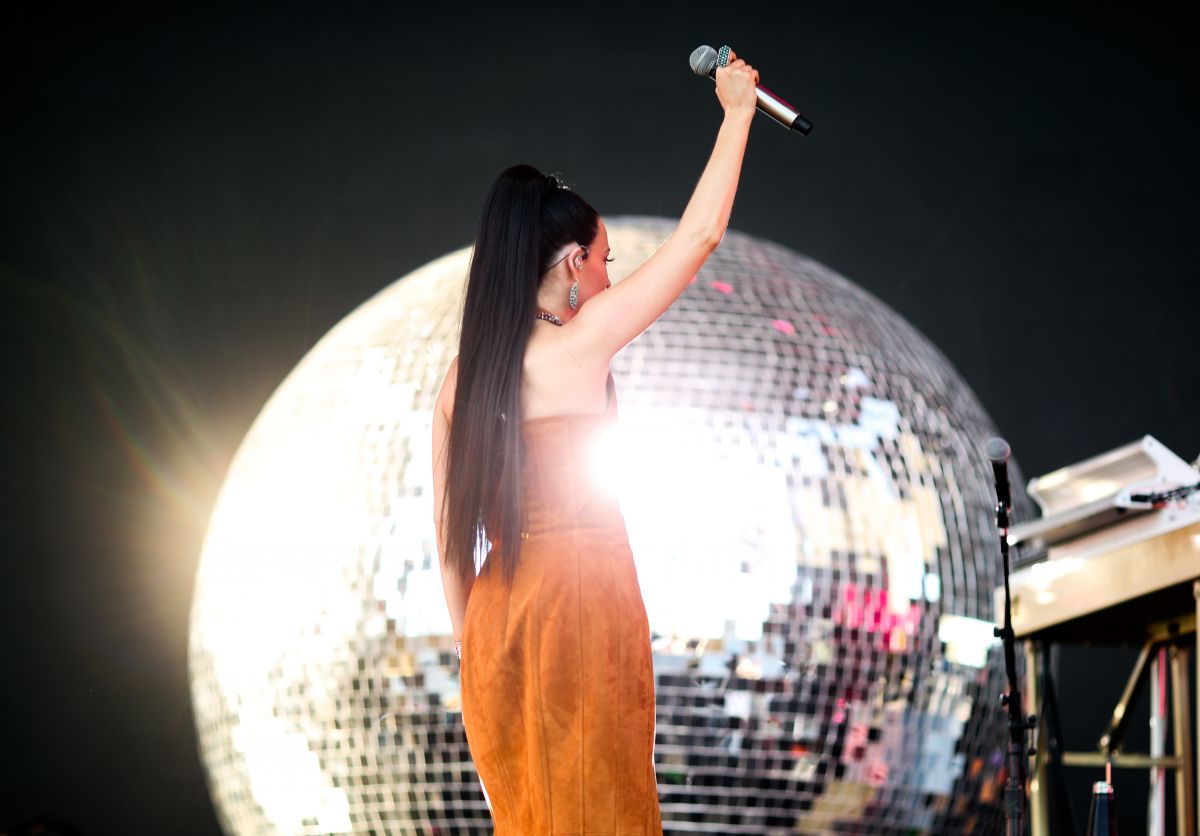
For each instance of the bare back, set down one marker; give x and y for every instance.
(553, 383)
(560, 376)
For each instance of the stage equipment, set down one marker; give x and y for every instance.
(809, 509)
(1102, 816)
(704, 62)
(998, 452)
(1114, 487)
(1118, 563)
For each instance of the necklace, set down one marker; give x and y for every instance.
(548, 317)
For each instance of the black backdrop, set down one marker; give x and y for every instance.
(191, 198)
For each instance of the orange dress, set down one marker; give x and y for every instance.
(557, 673)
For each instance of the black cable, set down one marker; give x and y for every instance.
(1062, 813)
(1166, 496)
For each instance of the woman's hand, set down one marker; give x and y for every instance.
(735, 85)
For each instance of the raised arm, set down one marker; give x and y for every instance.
(610, 320)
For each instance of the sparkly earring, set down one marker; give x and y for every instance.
(573, 298)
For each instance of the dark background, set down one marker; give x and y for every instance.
(191, 198)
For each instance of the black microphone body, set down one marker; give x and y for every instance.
(704, 62)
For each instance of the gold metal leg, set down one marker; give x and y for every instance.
(1039, 785)
(1181, 704)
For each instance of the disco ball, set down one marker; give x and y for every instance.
(810, 514)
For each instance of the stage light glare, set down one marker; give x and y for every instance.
(810, 516)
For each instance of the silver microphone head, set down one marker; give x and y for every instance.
(703, 60)
(998, 450)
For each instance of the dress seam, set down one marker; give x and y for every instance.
(612, 572)
(583, 685)
(541, 707)
(582, 673)
(537, 666)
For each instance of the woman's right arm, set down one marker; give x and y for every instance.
(610, 320)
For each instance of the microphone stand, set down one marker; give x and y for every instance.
(1015, 800)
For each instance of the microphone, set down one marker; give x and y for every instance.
(704, 63)
(999, 451)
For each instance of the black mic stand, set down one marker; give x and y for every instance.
(1015, 801)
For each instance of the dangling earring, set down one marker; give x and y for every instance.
(573, 297)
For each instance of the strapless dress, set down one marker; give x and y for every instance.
(557, 674)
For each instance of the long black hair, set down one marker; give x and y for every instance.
(527, 218)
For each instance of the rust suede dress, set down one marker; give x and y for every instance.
(557, 675)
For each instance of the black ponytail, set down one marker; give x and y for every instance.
(527, 218)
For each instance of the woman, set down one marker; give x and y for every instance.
(557, 676)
